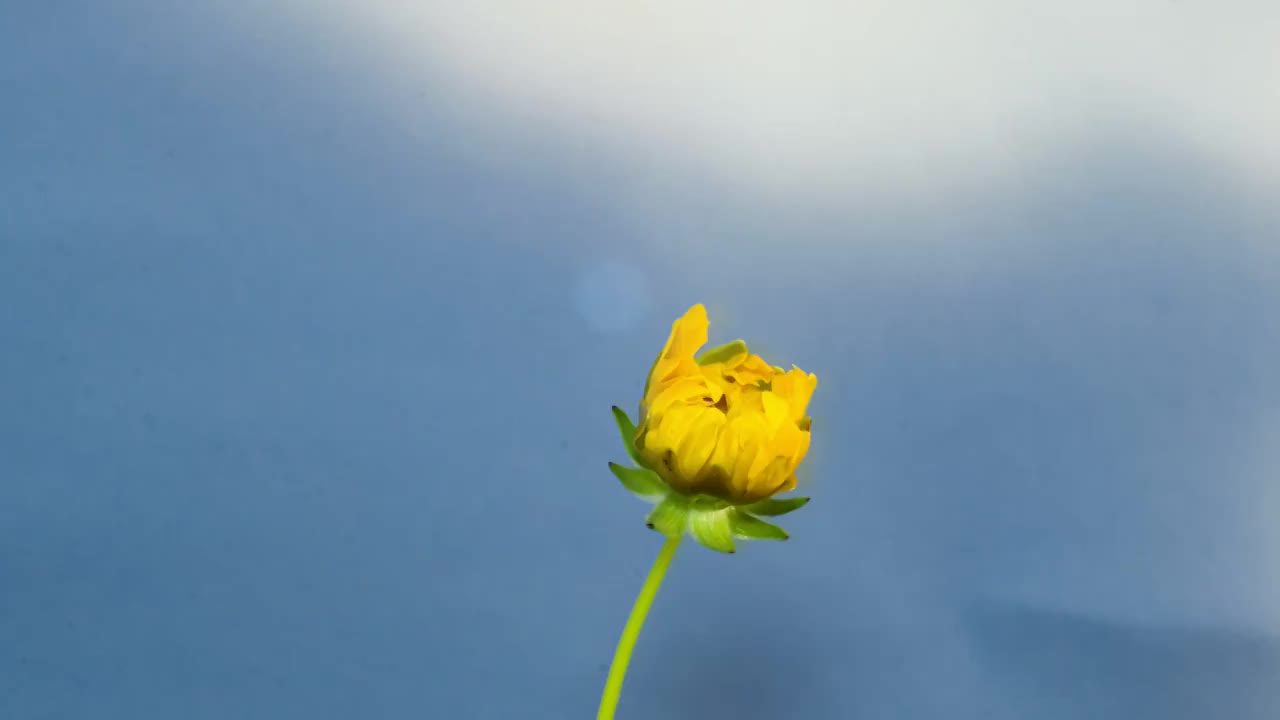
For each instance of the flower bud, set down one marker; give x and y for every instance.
(723, 431)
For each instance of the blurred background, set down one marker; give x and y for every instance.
(312, 313)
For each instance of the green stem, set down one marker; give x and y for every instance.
(622, 656)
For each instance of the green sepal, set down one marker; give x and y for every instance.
(644, 484)
(722, 353)
(712, 529)
(628, 431)
(670, 517)
(749, 526)
(776, 506)
(712, 522)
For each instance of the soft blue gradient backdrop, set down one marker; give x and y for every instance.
(305, 415)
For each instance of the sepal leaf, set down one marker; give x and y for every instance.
(746, 525)
(712, 529)
(628, 431)
(773, 507)
(722, 353)
(670, 517)
(644, 484)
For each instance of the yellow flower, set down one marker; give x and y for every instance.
(720, 435)
(725, 424)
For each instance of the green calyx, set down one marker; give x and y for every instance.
(713, 522)
(722, 353)
(628, 431)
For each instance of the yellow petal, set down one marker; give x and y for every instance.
(776, 410)
(785, 441)
(769, 481)
(749, 370)
(753, 454)
(801, 449)
(746, 401)
(726, 449)
(714, 373)
(688, 333)
(697, 443)
(731, 458)
(665, 431)
(685, 390)
(796, 388)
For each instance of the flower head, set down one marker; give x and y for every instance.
(723, 431)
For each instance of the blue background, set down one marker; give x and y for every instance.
(306, 415)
